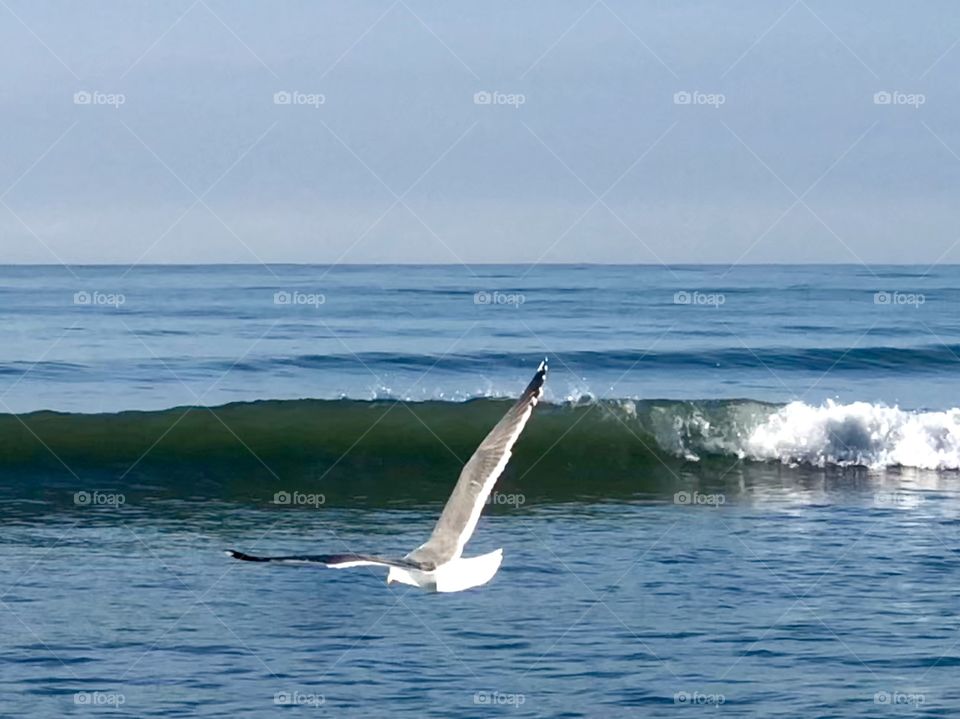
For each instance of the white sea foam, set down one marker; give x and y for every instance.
(860, 433)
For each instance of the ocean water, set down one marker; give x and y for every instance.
(740, 496)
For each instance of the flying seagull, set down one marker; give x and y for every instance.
(437, 565)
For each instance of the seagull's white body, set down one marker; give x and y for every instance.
(438, 565)
(455, 576)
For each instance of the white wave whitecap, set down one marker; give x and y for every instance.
(860, 433)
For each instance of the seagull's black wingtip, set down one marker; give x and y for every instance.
(243, 557)
(535, 388)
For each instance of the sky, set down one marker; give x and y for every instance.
(751, 131)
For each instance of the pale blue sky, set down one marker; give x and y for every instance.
(399, 164)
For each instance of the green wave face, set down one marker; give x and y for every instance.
(386, 453)
(354, 451)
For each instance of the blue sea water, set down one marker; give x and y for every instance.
(740, 497)
(222, 334)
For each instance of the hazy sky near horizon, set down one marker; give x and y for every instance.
(427, 131)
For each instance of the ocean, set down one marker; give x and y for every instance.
(740, 495)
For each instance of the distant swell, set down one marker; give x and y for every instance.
(815, 359)
(902, 360)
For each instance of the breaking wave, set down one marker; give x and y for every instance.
(389, 436)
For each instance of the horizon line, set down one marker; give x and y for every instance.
(133, 266)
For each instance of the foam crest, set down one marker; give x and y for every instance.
(860, 433)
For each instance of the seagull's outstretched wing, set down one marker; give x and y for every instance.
(335, 561)
(462, 511)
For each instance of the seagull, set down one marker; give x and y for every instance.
(437, 564)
